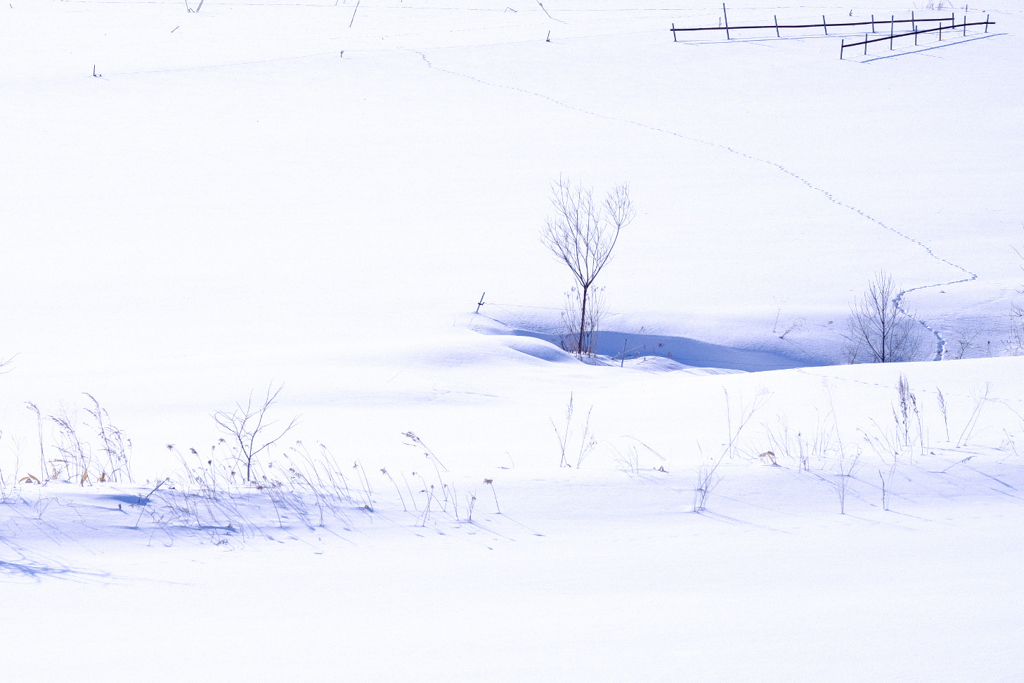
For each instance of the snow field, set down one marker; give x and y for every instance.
(236, 204)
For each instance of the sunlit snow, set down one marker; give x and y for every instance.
(201, 204)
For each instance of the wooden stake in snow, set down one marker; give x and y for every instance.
(481, 303)
(354, 14)
(726, 22)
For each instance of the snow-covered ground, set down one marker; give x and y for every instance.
(315, 196)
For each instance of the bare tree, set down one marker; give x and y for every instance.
(572, 341)
(880, 331)
(249, 430)
(582, 235)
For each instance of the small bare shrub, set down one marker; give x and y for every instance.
(743, 417)
(1015, 335)
(979, 402)
(249, 431)
(707, 480)
(845, 467)
(630, 460)
(784, 444)
(587, 440)
(964, 341)
(879, 330)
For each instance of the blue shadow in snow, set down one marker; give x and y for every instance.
(685, 351)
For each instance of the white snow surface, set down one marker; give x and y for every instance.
(313, 196)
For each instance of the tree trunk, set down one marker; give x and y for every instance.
(583, 321)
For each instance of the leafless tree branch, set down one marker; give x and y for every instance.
(582, 235)
(249, 430)
(879, 331)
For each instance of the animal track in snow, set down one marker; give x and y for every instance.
(940, 341)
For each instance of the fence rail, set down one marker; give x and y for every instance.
(893, 35)
(825, 25)
(875, 24)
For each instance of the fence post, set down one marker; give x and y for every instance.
(673, 32)
(824, 24)
(841, 48)
(481, 302)
(872, 23)
(965, 25)
(777, 26)
(892, 23)
(913, 26)
(726, 22)
(865, 45)
(986, 22)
